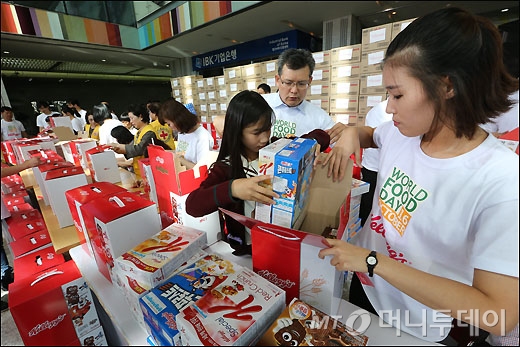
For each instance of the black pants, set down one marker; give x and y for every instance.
(365, 206)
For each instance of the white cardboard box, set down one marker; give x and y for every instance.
(57, 182)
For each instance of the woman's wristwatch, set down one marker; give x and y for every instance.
(371, 263)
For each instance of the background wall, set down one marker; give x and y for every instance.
(119, 94)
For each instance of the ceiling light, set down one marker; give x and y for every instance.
(7, 52)
(103, 60)
(167, 65)
(60, 80)
(503, 10)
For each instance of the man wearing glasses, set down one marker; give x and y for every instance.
(297, 116)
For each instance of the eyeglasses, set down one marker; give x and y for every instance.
(300, 85)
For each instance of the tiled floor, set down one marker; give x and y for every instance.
(10, 335)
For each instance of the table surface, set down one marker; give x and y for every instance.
(134, 335)
(63, 239)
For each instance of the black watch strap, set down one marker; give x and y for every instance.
(371, 261)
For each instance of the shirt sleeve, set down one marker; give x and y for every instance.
(139, 149)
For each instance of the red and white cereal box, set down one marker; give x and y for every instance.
(157, 258)
(234, 313)
(161, 305)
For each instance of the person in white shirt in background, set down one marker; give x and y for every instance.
(41, 119)
(75, 118)
(114, 116)
(194, 142)
(506, 122)
(370, 159)
(104, 118)
(12, 129)
(74, 104)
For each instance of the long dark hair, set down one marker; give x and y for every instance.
(245, 109)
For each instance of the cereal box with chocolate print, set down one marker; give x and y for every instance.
(301, 324)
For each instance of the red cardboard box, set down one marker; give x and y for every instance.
(173, 184)
(55, 308)
(74, 150)
(302, 272)
(30, 264)
(47, 156)
(116, 223)
(102, 163)
(8, 152)
(79, 196)
(40, 172)
(30, 243)
(20, 227)
(21, 207)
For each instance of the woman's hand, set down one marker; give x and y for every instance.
(251, 190)
(345, 256)
(335, 132)
(118, 148)
(338, 157)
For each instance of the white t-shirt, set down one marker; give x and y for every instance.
(374, 117)
(105, 129)
(298, 120)
(77, 124)
(506, 121)
(40, 120)
(83, 120)
(196, 145)
(12, 130)
(442, 216)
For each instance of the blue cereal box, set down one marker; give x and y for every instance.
(291, 180)
(163, 303)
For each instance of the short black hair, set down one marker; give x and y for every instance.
(6, 108)
(265, 87)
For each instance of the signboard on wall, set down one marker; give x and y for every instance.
(264, 47)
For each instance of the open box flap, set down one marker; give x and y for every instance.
(325, 200)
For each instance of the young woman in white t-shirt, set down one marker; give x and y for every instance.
(194, 142)
(442, 238)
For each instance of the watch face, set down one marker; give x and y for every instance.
(371, 260)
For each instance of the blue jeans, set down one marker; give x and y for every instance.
(5, 262)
